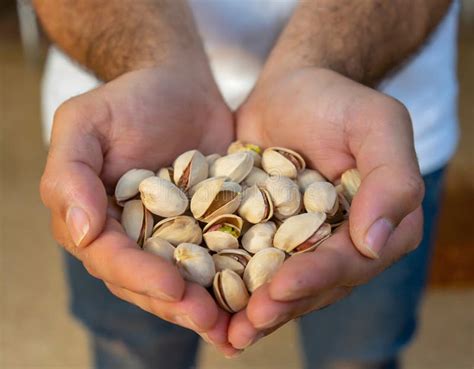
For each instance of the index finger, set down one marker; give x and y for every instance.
(116, 259)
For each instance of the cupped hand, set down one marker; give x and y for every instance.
(143, 119)
(336, 124)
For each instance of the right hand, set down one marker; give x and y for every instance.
(142, 119)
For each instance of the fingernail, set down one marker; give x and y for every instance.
(234, 355)
(377, 236)
(254, 339)
(187, 322)
(77, 223)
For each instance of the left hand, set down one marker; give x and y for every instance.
(337, 124)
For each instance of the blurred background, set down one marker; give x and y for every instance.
(35, 328)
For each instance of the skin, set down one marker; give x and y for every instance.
(144, 118)
(161, 89)
(304, 101)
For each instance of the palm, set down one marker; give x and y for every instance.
(146, 125)
(311, 112)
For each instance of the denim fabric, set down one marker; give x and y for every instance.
(367, 330)
(374, 323)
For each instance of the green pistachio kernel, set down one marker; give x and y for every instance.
(255, 148)
(229, 229)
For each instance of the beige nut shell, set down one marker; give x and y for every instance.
(297, 229)
(276, 162)
(218, 240)
(230, 291)
(162, 197)
(127, 185)
(179, 229)
(256, 205)
(195, 263)
(262, 267)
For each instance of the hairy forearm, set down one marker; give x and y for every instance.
(114, 37)
(362, 39)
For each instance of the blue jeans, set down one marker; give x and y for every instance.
(366, 330)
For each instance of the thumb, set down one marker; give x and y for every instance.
(391, 184)
(70, 186)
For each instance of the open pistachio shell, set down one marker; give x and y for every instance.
(230, 292)
(233, 259)
(195, 263)
(279, 161)
(223, 232)
(259, 237)
(285, 195)
(127, 185)
(215, 197)
(256, 177)
(162, 197)
(256, 205)
(262, 267)
(166, 173)
(179, 229)
(159, 247)
(255, 150)
(344, 203)
(190, 168)
(323, 233)
(234, 167)
(137, 221)
(321, 197)
(350, 181)
(308, 176)
(299, 233)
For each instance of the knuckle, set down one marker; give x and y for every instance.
(414, 190)
(391, 111)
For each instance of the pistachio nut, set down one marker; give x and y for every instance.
(137, 221)
(179, 229)
(285, 195)
(223, 232)
(321, 197)
(159, 247)
(308, 176)
(193, 189)
(259, 237)
(230, 291)
(233, 259)
(166, 173)
(234, 167)
(215, 197)
(262, 267)
(256, 176)
(212, 158)
(279, 161)
(195, 263)
(350, 181)
(127, 185)
(344, 203)
(256, 205)
(190, 168)
(303, 232)
(255, 150)
(162, 197)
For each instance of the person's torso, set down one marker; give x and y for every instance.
(239, 34)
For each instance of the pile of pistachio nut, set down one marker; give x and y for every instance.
(229, 222)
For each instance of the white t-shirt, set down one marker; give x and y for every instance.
(238, 34)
